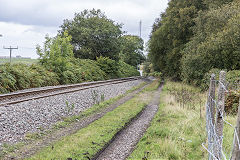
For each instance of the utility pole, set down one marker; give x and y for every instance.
(10, 49)
(140, 29)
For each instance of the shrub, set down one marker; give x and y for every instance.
(232, 82)
(20, 76)
(126, 70)
(88, 70)
(7, 81)
(156, 74)
(109, 66)
(232, 102)
(232, 78)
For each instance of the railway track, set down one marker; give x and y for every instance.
(22, 96)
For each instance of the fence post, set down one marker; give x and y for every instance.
(219, 116)
(211, 98)
(236, 147)
(211, 113)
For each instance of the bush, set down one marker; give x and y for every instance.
(232, 82)
(232, 78)
(109, 66)
(126, 70)
(232, 102)
(88, 70)
(156, 74)
(20, 76)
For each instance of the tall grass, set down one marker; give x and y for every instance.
(178, 129)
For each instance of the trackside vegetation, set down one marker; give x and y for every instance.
(57, 65)
(88, 141)
(178, 129)
(192, 37)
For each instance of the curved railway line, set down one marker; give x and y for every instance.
(22, 96)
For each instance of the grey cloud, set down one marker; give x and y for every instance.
(45, 16)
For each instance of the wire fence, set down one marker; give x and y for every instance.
(215, 121)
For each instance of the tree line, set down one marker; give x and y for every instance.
(193, 37)
(91, 35)
(89, 47)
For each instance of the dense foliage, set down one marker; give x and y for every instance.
(215, 43)
(169, 35)
(132, 50)
(232, 83)
(93, 35)
(115, 69)
(57, 65)
(126, 70)
(21, 76)
(192, 37)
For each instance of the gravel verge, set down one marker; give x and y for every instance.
(125, 141)
(37, 115)
(32, 148)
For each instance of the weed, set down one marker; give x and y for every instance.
(95, 95)
(102, 97)
(69, 108)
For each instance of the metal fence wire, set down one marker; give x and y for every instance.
(215, 120)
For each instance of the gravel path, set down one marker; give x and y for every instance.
(125, 141)
(37, 115)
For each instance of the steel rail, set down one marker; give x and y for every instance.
(84, 86)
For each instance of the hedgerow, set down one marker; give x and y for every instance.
(20, 76)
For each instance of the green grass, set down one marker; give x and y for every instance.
(9, 149)
(19, 60)
(88, 141)
(94, 109)
(177, 131)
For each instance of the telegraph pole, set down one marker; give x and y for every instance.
(140, 29)
(10, 49)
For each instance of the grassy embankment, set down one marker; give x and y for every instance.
(177, 131)
(90, 140)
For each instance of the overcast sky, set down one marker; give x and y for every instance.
(25, 23)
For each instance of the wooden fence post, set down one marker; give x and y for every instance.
(219, 116)
(210, 113)
(211, 98)
(236, 150)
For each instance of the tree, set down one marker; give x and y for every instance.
(132, 50)
(93, 35)
(215, 43)
(216, 3)
(175, 30)
(56, 55)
